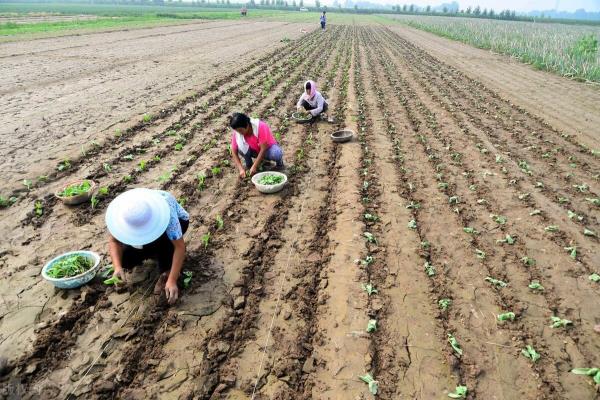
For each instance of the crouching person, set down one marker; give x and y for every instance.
(148, 224)
(252, 139)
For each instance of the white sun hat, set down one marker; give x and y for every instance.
(138, 216)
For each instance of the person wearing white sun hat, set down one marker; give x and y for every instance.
(148, 224)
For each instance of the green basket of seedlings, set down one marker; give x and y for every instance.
(302, 117)
(269, 182)
(72, 269)
(77, 192)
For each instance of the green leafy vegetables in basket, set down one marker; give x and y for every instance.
(76, 189)
(69, 266)
(271, 180)
(301, 115)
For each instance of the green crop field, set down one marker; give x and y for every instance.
(569, 50)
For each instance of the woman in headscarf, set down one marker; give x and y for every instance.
(148, 224)
(312, 100)
(252, 138)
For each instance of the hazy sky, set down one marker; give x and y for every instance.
(519, 5)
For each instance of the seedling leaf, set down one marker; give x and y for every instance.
(496, 282)
(530, 353)
(594, 277)
(459, 393)
(509, 316)
(444, 304)
(536, 285)
(560, 323)
(187, 278)
(369, 288)
(455, 345)
(113, 281)
(373, 384)
(372, 325)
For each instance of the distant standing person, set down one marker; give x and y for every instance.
(252, 138)
(323, 21)
(312, 100)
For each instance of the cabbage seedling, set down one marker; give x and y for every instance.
(455, 345)
(444, 304)
(563, 200)
(453, 200)
(367, 261)
(535, 212)
(429, 269)
(370, 238)
(371, 217)
(94, 201)
(508, 240)
(64, 165)
(536, 285)
(530, 353)
(594, 201)
(443, 185)
(480, 254)
(523, 196)
(470, 231)
(530, 262)
(141, 166)
(572, 215)
(412, 224)
(369, 288)
(107, 167)
(572, 251)
(593, 372)
(582, 188)
(147, 117)
(459, 393)
(128, 157)
(127, 179)
(551, 228)
(594, 277)
(38, 208)
(560, 323)
(372, 325)
(114, 280)
(425, 245)
(496, 282)
(179, 147)
(509, 316)
(589, 232)
(187, 278)
(201, 180)
(27, 183)
(205, 239)
(220, 222)
(499, 219)
(413, 206)
(373, 384)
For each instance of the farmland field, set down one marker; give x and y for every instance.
(455, 226)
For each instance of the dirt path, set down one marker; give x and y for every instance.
(569, 106)
(59, 95)
(437, 218)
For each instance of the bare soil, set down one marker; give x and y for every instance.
(277, 306)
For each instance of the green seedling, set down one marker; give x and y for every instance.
(171, 132)
(147, 118)
(182, 201)
(470, 231)
(372, 325)
(528, 261)
(560, 323)
(563, 200)
(524, 196)
(499, 159)
(70, 266)
(179, 147)
(42, 178)
(107, 271)
(4, 202)
(107, 167)
(371, 217)
(370, 238)
(217, 171)
(225, 163)
(271, 180)
(453, 200)
(368, 260)
(76, 189)
(507, 239)
(443, 185)
(530, 353)
(429, 269)
(594, 201)
(38, 208)
(444, 304)
(455, 345)
(536, 285)
(509, 316)
(187, 278)
(572, 251)
(582, 188)
(472, 188)
(539, 185)
(593, 372)
(156, 158)
(594, 277)
(459, 393)
(481, 201)
(373, 384)
(127, 179)
(205, 239)
(156, 141)
(118, 133)
(27, 183)
(525, 167)
(425, 245)
(114, 280)
(412, 224)
(496, 282)
(589, 232)
(128, 157)
(201, 181)
(141, 166)
(413, 206)
(219, 222)
(551, 228)
(94, 201)
(499, 219)
(573, 215)
(64, 165)
(103, 191)
(369, 288)
(480, 254)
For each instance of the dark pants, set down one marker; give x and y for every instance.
(323, 25)
(308, 107)
(274, 153)
(161, 250)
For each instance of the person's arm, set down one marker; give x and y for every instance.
(259, 158)
(171, 289)
(115, 249)
(238, 163)
(299, 103)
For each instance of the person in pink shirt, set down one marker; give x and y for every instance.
(252, 138)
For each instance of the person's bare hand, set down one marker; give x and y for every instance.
(253, 170)
(171, 291)
(242, 173)
(120, 274)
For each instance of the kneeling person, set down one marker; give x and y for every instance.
(148, 224)
(312, 100)
(252, 138)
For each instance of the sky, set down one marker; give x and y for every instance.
(518, 5)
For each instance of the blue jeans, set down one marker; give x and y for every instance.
(274, 153)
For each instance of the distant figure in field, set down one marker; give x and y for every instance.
(244, 11)
(312, 100)
(252, 138)
(323, 21)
